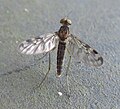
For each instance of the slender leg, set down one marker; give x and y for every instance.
(68, 62)
(68, 66)
(42, 57)
(67, 81)
(67, 73)
(68, 76)
(40, 85)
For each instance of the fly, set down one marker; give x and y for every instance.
(64, 40)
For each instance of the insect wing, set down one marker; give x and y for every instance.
(41, 44)
(83, 51)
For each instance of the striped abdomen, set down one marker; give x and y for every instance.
(60, 56)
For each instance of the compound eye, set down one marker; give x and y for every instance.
(69, 21)
(62, 20)
(65, 21)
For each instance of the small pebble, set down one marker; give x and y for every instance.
(60, 93)
(26, 10)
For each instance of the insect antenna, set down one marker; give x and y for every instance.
(69, 14)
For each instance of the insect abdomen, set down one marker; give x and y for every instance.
(60, 56)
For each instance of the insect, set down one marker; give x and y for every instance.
(62, 40)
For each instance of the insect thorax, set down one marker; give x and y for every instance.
(63, 32)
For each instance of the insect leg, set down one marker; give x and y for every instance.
(42, 56)
(68, 62)
(67, 73)
(39, 85)
(68, 65)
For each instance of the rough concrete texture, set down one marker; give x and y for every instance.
(96, 22)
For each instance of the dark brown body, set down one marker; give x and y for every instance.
(63, 33)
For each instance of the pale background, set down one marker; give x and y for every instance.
(96, 22)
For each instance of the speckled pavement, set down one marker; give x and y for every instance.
(96, 22)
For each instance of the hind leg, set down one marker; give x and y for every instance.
(49, 66)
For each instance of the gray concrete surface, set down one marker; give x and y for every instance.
(96, 22)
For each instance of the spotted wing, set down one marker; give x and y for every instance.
(41, 44)
(84, 52)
